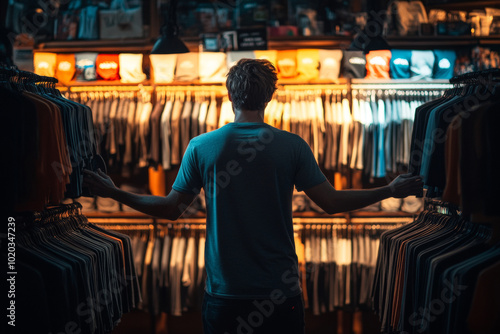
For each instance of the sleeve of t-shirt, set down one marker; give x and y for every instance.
(188, 179)
(307, 174)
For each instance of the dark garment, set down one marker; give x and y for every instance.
(257, 316)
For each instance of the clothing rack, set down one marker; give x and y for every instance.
(444, 246)
(200, 222)
(16, 75)
(458, 167)
(331, 253)
(399, 84)
(207, 88)
(134, 88)
(29, 219)
(492, 74)
(51, 211)
(313, 87)
(62, 263)
(52, 140)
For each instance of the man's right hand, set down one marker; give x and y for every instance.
(405, 185)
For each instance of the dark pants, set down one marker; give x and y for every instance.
(253, 316)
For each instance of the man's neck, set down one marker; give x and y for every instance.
(249, 116)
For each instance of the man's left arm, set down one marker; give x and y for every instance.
(170, 207)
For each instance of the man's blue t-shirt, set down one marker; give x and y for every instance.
(248, 172)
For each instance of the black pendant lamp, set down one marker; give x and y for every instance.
(168, 42)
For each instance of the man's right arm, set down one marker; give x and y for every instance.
(335, 201)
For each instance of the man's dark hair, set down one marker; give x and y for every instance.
(251, 83)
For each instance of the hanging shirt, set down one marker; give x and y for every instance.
(286, 116)
(194, 118)
(226, 113)
(236, 165)
(165, 134)
(212, 117)
(189, 272)
(186, 123)
(175, 126)
(145, 132)
(155, 132)
(202, 117)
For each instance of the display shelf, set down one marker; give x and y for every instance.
(444, 42)
(291, 42)
(463, 5)
(294, 83)
(400, 84)
(190, 83)
(310, 42)
(100, 83)
(399, 81)
(274, 43)
(111, 46)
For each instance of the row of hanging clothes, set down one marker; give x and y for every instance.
(336, 260)
(49, 139)
(71, 275)
(170, 263)
(144, 128)
(439, 274)
(431, 271)
(337, 264)
(453, 145)
(139, 129)
(379, 129)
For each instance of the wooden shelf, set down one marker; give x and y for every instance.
(415, 42)
(291, 42)
(400, 84)
(464, 5)
(313, 42)
(75, 83)
(281, 43)
(111, 46)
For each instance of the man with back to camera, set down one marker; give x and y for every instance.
(248, 170)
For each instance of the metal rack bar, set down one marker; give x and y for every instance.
(382, 220)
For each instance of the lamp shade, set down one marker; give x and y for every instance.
(168, 45)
